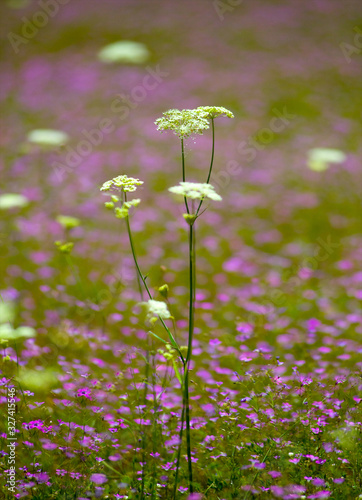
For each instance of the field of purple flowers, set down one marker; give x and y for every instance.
(91, 403)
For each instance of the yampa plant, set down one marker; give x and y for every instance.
(185, 123)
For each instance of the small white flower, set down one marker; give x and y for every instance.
(48, 137)
(124, 51)
(157, 309)
(319, 159)
(122, 183)
(196, 191)
(12, 200)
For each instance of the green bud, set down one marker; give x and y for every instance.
(164, 290)
(68, 222)
(64, 247)
(121, 212)
(190, 219)
(109, 205)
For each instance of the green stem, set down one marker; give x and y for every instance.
(143, 431)
(188, 432)
(211, 162)
(143, 279)
(179, 447)
(147, 368)
(139, 273)
(184, 171)
(192, 289)
(154, 431)
(191, 292)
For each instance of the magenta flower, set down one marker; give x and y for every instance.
(98, 478)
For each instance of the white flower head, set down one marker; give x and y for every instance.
(122, 183)
(48, 137)
(124, 51)
(157, 309)
(214, 111)
(196, 191)
(183, 123)
(12, 200)
(319, 159)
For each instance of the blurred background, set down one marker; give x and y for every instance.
(78, 110)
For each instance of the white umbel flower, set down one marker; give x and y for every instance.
(183, 123)
(214, 111)
(157, 309)
(122, 183)
(320, 159)
(196, 191)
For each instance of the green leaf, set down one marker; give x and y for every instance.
(157, 337)
(177, 373)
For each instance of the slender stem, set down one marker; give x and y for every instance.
(189, 349)
(211, 162)
(154, 431)
(179, 447)
(184, 171)
(147, 368)
(135, 258)
(188, 430)
(191, 291)
(143, 279)
(212, 150)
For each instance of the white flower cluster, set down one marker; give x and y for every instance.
(187, 122)
(196, 191)
(215, 111)
(183, 123)
(122, 183)
(157, 309)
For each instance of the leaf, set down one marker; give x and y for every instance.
(157, 337)
(177, 373)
